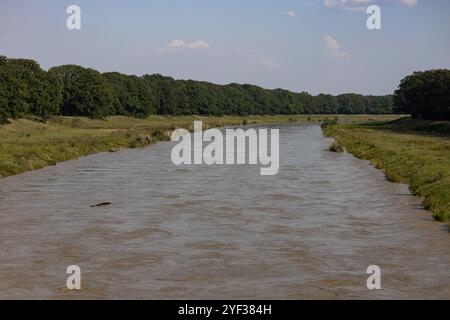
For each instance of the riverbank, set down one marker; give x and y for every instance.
(28, 144)
(409, 151)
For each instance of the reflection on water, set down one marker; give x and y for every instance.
(218, 232)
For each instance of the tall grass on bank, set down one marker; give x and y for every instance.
(336, 147)
(419, 158)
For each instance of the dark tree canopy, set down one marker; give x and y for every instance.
(26, 89)
(425, 95)
(131, 97)
(85, 92)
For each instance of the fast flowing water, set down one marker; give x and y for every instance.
(219, 232)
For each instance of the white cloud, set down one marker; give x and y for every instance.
(346, 3)
(356, 9)
(198, 45)
(291, 14)
(408, 2)
(361, 5)
(177, 44)
(181, 44)
(334, 49)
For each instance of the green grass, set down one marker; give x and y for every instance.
(29, 144)
(409, 151)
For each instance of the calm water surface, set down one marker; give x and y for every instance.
(219, 232)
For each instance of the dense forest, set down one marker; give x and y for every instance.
(26, 89)
(425, 95)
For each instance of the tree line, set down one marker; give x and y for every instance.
(71, 90)
(425, 95)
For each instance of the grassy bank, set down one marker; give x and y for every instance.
(28, 144)
(410, 151)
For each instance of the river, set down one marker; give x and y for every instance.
(171, 232)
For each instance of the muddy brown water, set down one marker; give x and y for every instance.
(219, 232)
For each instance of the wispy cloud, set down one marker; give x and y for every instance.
(291, 14)
(333, 48)
(361, 5)
(408, 2)
(269, 63)
(181, 44)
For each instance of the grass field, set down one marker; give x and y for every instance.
(29, 144)
(413, 152)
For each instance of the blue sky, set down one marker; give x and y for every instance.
(300, 45)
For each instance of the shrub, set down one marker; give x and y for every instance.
(327, 122)
(337, 147)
